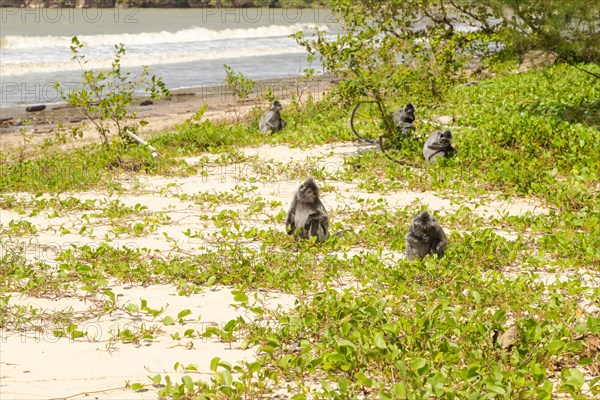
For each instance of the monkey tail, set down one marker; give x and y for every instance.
(388, 156)
(362, 139)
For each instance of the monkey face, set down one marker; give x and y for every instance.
(421, 233)
(308, 191)
(277, 105)
(423, 223)
(445, 137)
(406, 114)
(409, 113)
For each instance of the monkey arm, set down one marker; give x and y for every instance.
(277, 122)
(438, 146)
(439, 249)
(272, 121)
(438, 149)
(317, 224)
(415, 239)
(318, 217)
(440, 246)
(290, 227)
(291, 215)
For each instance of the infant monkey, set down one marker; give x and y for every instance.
(271, 119)
(425, 236)
(307, 215)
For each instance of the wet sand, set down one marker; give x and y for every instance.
(16, 123)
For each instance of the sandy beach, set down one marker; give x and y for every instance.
(34, 364)
(126, 345)
(37, 365)
(161, 114)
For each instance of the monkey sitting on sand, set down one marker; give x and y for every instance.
(271, 119)
(425, 236)
(438, 145)
(307, 215)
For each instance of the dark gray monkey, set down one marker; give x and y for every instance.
(438, 145)
(404, 118)
(271, 119)
(307, 215)
(425, 236)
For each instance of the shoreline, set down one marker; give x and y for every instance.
(160, 5)
(16, 122)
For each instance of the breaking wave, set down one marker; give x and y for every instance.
(130, 61)
(154, 38)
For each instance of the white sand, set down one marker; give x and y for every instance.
(39, 366)
(36, 365)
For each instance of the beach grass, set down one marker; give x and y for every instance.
(519, 204)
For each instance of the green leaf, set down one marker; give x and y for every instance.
(239, 296)
(188, 382)
(402, 368)
(210, 281)
(476, 296)
(227, 378)
(399, 390)
(418, 364)
(363, 380)
(230, 325)
(343, 384)
(595, 386)
(131, 307)
(585, 361)
(380, 340)
(538, 372)
(555, 346)
(77, 334)
(266, 349)
(346, 343)
(573, 378)
(191, 367)
(214, 363)
(110, 294)
(496, 389)
(544, 391)
(188, 333)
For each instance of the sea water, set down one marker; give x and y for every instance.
(186, 47)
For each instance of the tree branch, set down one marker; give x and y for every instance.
(572, 64)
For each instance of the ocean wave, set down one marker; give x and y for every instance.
(129, 61)
(154, 38)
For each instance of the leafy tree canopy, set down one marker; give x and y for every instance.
(399, 44)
